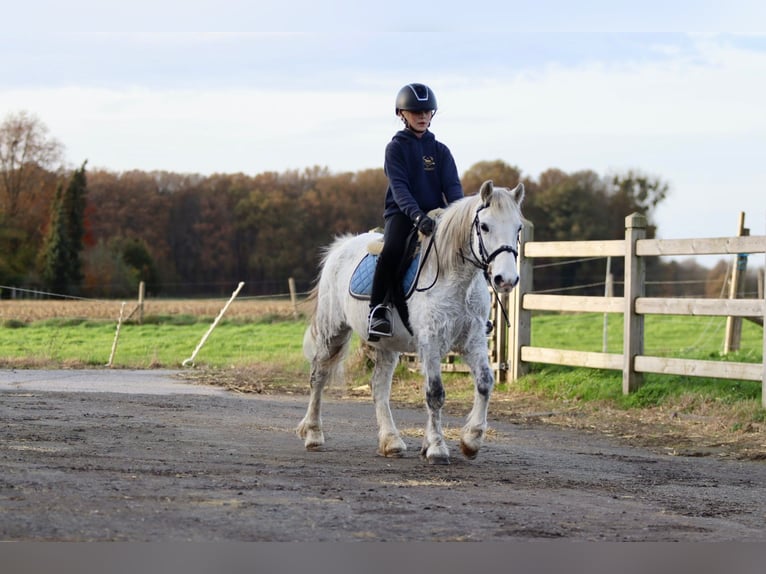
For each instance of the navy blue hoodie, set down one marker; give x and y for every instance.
(421, 173)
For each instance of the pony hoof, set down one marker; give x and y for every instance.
(391, 453)
(392, 448)
(471, 441)
(313, 439)
(438, 460)
(469, 452)
(435, 455)
(314, 443)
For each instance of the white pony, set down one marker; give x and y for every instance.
(475, 241)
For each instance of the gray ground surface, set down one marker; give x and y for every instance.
(142, 456)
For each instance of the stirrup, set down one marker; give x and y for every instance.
(379, 323)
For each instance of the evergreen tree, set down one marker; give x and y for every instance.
(61, 265)
(56, 254)
(74, 211)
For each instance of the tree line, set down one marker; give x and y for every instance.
(97, 233)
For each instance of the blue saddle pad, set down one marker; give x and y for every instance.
(360, 286)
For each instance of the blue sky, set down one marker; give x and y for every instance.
(672, 89)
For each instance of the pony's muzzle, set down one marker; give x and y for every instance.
(505, 284)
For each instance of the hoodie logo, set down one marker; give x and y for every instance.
(429, 164)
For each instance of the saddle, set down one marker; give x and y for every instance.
(360, 286)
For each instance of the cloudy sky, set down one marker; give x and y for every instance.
(675, 90)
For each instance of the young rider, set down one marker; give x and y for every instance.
(422, 176)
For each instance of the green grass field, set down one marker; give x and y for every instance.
(159, 343)
(167, 341)
(664, 335)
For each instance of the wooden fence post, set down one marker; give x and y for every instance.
(141, 294)
(520, 329)
(116, 335)
(293, 296)
(190, 360)
(763, 373)
(633, 334)
(608, 292)
(736, 291)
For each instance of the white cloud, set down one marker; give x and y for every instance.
(717, 90)
(691, 114)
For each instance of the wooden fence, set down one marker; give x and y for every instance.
(511, 348)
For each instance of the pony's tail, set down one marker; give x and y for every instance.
(325, 350)
(309, 343)
(332, 358)
(309, 336)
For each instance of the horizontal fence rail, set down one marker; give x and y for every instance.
(633, 362)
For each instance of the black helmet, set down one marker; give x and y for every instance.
(415, 98)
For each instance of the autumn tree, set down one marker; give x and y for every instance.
(635, 192)
(27, 186)
(25, 148)
(136, 205)
(501, 174)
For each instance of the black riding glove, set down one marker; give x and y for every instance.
(425, 225)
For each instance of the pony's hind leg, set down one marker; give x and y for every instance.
(325, 364)
(390, 443)
(310, 428)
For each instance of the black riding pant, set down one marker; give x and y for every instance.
(390, 267)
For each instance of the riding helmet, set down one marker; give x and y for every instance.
(415, 98)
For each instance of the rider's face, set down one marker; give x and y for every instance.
(418, 121)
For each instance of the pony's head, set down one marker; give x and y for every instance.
(496, 228)
(483, 230)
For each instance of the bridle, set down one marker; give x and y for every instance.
(484, 259)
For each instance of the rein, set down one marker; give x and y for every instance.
(481, 261)
(423, 263)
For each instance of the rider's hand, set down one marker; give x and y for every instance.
(426, 225)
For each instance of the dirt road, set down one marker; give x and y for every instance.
(85, 457)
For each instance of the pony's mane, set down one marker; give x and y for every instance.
(453, 233)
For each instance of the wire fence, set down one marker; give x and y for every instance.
(108, 308)
(12, 292)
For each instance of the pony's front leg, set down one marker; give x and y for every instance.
(472, 436)
(389, 441)
(434, 447)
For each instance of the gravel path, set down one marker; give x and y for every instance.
(142, 456)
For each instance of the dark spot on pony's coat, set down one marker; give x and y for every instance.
(435, 394)
(485, 384)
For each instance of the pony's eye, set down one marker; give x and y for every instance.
(484, 227)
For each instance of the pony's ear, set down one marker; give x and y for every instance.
(518, 193)
(486, 192)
